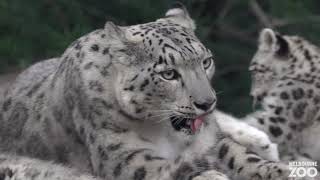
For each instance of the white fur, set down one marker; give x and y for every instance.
(211, 175)
(247, 135)
(174, 12)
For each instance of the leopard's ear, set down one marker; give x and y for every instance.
(178, 13)
(267, 40)
(113, 31)
(274, 42)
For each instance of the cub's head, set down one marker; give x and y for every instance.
(277, 57)
(164, 72)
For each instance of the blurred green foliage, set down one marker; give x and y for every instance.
(37, 29)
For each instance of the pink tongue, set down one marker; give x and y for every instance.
(196, 124)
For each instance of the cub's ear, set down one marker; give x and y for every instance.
(267, 40)
(113, 31)
(179, 15)
(272, 41)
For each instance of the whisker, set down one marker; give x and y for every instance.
(180, 119)
(174, 119)
(164, 119)
(159, 115)
(160, 110)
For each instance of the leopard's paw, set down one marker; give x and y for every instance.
(275, 171)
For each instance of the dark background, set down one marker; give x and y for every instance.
(32, 30)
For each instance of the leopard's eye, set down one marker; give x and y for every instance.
(207, 63)
(170, 74)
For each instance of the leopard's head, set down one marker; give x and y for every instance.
(277, 56)
(164, 72)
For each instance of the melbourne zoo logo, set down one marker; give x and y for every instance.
(303, 169)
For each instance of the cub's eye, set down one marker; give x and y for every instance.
(170, 74)
(207, 63)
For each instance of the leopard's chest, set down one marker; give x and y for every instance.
(309, 139)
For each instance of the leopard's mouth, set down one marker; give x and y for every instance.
(187, 125)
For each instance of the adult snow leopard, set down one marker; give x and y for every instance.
(125, 103)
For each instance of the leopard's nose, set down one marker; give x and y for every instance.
(206, 104)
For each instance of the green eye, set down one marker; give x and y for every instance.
(169, 74)
(207, 63)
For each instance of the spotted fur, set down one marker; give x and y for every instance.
(117, 104)
(285, 81)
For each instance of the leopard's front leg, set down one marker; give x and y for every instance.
(125, 156)
(244, 164)
(211, 175)
(14, 167)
